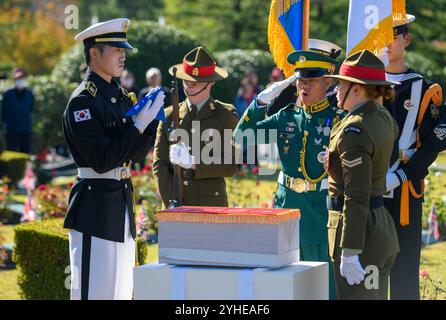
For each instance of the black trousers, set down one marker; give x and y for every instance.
(20, 142)
(404, 276)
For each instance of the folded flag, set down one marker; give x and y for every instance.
(150, 96)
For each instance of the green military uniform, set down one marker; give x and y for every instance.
(359, 153)
(205, 185)
(302, 139)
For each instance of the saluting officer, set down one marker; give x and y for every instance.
(103, 142)
(361, 232)
(303, 133)
(205, 118)
(416, 110)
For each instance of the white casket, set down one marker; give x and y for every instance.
(299, 281)
(236, 237)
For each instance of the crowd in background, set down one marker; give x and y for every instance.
(17, 103)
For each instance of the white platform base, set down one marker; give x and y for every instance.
(299, 281)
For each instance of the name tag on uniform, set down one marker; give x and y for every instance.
(82, 115)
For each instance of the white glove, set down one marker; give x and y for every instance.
(352, 270)
(273, 91)
(392, 181)
(179, 155)
(148, 112)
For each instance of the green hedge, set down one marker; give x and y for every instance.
(42, 257)
(157, 46)
(238, 62)
(12, 165)
(51, 98)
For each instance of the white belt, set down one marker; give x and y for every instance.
(116, 173)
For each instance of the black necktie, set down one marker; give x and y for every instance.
(193, 111)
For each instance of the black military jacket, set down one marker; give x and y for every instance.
(417, 167)
(101, 137)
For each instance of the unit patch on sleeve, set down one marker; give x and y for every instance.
(354, 129)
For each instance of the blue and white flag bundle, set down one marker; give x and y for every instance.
(148, 97)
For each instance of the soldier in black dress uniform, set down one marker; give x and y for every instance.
(416, 110)
(103, 142)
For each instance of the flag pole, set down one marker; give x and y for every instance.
(305, 24)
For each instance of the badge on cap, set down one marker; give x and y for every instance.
(125, 26)
(302, 59)
(82, 115)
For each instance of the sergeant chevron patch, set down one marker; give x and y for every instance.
(351, 163)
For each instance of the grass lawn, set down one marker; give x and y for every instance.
(7, 233)
(433, 259)
(9, 289)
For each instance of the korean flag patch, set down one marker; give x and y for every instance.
(82, 115)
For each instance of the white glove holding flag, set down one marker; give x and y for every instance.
(392, 181)
(273, 91)
(149, 112)
(352, 270)
(179, 155)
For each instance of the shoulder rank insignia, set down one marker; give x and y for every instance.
(124, 91)
(91, 88)
(354, 129)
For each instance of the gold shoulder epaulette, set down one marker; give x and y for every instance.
(124, 91)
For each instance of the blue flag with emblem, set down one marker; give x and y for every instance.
(287, 30)
(141, 103)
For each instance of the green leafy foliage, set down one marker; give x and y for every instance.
(51, 98)
(238, 62)
(41, 254)
(156, 46)
(42, 257)
(12, 165)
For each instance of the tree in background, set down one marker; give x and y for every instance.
(30, 39)
(223, 24)
(111, 9)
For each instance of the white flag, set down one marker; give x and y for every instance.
(370, 25)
